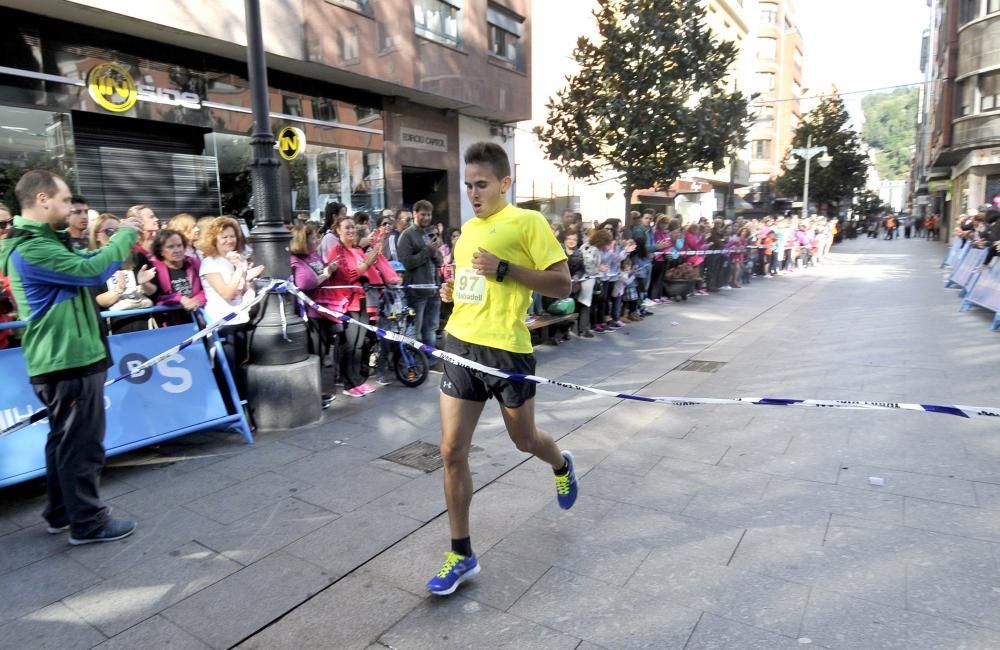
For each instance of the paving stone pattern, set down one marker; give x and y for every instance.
(702, 527)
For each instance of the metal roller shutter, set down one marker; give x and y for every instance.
(122, 162)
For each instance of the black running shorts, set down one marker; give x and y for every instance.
(475, 386)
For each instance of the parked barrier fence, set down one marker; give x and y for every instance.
(986, 293)
(954, 252)
(141, 410)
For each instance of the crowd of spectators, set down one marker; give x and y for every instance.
(981, 229)
(621, 272)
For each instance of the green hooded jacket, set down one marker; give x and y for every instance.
(50, 280)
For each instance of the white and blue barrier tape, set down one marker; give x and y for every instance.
(41, 414)
(959, 410)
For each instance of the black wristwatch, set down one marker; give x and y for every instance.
(502, 268)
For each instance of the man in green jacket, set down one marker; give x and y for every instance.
(64, 350)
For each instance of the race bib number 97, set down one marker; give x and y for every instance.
(470, 287)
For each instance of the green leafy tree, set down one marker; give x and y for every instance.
(868, 203)
(650, 100)
(891, 127)
(848, 171)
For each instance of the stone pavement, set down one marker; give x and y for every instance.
(698, 527)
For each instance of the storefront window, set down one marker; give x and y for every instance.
(324, 174)
(181, 140)
(31, 139)
(316, 177)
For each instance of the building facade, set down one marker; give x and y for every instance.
(777, 73)
(961, 168)
(150, 102)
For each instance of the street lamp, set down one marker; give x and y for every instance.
(807, 154)
(283, 380)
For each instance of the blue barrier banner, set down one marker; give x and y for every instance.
(174, 397)
(986, 293)
(954, 253)
(964, 272)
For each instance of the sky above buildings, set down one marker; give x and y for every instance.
(860, 45)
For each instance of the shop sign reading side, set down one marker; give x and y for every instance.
(113, 88)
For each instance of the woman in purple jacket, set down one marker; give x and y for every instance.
(309, 274)
(177, 276)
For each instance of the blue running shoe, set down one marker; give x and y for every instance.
(456, 570)
(566, 486)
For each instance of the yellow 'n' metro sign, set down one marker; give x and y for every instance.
(291, 142)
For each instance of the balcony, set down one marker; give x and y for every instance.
(979, 46)
(976, 131)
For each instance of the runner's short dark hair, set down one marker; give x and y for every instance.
(489, 153)
(33, 183)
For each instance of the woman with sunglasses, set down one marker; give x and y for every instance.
(126, 289)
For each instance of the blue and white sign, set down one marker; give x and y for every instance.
(965, 271)
(177, 396)
(986, 293)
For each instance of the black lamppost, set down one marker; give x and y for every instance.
(283, 379)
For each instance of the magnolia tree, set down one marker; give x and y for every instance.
(651, 99)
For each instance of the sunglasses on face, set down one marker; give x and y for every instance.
(6, 224)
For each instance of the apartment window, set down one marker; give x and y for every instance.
(366, 114)
(767, 48)
(768, 14)
(350, 48)
(386, 40)
(324, 109)
(505, 35)
(361, 6)
(761, 149)
(989, 91)
(765, 114)
(291, 105)
(765, 82)
(966, 91)
(438, 20)
(969, 10)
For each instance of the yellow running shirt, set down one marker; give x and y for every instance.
(492, 313)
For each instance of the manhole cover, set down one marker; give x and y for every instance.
(418, 455)
(701, 366)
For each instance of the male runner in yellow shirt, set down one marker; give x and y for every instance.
(502, 255)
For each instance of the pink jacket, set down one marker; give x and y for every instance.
(348, 261)
(695, 243)
(662, 236)
(167, 295)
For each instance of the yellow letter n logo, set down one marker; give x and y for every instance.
(111, 87)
